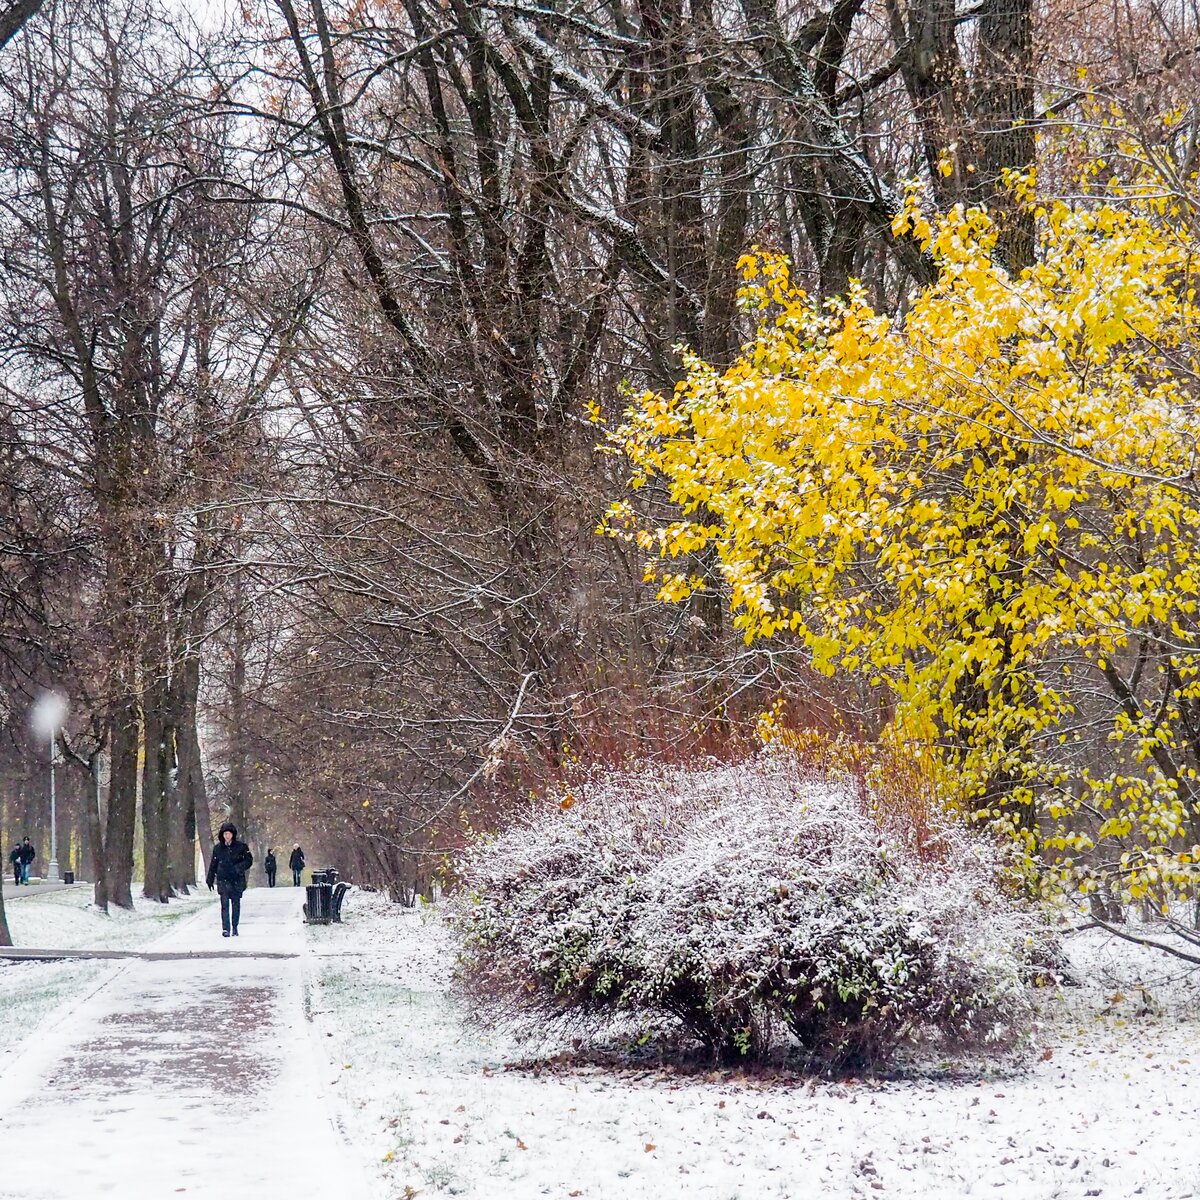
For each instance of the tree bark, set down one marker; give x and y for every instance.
(96, 837)
(238, 773)
(122, 804)
(13, 19)
(154, 817)
(5, 936)
(1005, 119)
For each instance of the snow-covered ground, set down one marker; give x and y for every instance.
(68, 920)
(1107, 1104)
(192, 1074)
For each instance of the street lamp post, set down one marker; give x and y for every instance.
(52, 871)
(48, 717)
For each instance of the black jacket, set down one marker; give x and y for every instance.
(15, 856)
(229, 863)
(296, 862)
(28, 854)
(269, 864)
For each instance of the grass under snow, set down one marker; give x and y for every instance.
(68, 920)
(1104, 1105)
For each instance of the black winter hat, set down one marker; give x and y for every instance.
(228, 826)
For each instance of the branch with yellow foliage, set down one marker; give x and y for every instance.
(988, 509)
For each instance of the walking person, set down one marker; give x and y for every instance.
(227, 868)
(28, 854)
(269, 866)
(15, 859)
(296, 862)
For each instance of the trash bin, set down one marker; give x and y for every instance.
(68, 877)
(318, 904)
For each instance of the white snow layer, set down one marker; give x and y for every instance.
(181, 1077)
(1107, 1106)
(202, 1078)
(30, 992)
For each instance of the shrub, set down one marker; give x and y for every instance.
(750, 907)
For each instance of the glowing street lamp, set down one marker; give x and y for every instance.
(48, 716)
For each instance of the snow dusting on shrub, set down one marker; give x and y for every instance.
(749, 908)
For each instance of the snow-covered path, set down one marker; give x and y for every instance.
(181, 1078)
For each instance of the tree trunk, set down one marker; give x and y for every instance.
(96, 837)
(238, 775)
(5, 936)
(154, 816)
(187, 776)
(181, 833)
(1004, 115)
(122, 804)
(202, 814)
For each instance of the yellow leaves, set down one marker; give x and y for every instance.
(677, 587)
(955, 507)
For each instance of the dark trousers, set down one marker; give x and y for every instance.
(16, 874)
(270, 879)
(231, 909)
(296, 876)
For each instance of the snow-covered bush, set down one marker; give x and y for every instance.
(744, 904)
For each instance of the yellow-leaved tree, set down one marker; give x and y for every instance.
(989, 508)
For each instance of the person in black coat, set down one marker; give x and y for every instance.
(269, 866)
(296, 862)
(227, 868)
(28, 854)
(15, 859)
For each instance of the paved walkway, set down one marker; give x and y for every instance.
(29, 891)
(182, 1077)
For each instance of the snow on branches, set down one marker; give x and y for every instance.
(748, 908)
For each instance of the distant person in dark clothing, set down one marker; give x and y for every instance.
(269, 866)
(230, 861)
(28, 854)
(296, 862)
(15, 859)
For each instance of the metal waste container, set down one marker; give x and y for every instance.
(318, 904)
(68, 877)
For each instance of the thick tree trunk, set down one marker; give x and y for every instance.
(14, 16)
(181, 831)
(1004, 116)
(205, 831)
(122, 804)
(5, 936)
(154, 815)
(81, 830)
(186, 776)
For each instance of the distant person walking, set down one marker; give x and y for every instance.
(15, 859)
(28, 854)
(269, 865)
(227, 868)
(296, 862)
